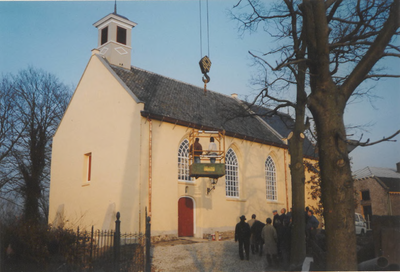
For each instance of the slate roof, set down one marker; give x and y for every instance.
(177, 102)
(284, 124)
(389, 178)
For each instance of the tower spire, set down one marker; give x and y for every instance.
(115, 7)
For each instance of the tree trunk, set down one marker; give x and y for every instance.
(336, 182)
(327, 104)
(298, 246)
(32, 196)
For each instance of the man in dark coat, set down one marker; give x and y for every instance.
(198, 150)
(242, 234)
(256, 229)
(285, 241)
(312, 225)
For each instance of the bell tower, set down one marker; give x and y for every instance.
(114, 41)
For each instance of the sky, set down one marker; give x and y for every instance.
(58, 37)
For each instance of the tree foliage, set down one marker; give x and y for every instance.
(37, 101)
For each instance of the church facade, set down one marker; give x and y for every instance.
(123, 146)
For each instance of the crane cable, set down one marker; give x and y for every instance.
(205, 62)
(201, 31)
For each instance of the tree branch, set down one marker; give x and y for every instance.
(367, 143)
(375, 52)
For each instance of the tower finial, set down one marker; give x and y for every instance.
(115, 7)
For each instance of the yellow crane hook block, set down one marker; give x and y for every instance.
(205, 65)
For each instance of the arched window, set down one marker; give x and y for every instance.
(231, 174)
(270, 179)
(183, 161)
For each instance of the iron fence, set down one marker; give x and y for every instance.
(107, 251)
(91, 251)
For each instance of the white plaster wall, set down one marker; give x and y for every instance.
(103, 119)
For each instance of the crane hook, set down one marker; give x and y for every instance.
(206, 78)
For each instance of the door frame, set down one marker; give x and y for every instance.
(194, 215)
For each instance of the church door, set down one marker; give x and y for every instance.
(185, 217)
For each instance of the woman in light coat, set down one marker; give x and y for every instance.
(270, 238)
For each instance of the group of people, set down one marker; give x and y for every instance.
(198, 150)
(274, 236)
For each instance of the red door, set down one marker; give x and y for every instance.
(185, 217)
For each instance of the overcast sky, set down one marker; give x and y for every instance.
(59, 36)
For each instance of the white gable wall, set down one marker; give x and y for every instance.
(102, 119)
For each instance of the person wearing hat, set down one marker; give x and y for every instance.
(242, 234)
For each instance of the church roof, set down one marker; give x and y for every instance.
(284, 124)
(184, 104)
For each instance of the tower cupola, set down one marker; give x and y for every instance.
(114, 41)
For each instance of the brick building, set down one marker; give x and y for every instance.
(379, 190)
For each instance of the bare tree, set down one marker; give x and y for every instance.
(288, 71)
(10, 133)
(343, 42)
(40, 102)
(366, 30)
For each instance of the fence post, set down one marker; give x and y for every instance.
(117, 242)
(77, 259)
(91, 250)
(148, 243)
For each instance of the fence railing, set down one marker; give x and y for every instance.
(108, 251)
(112, 250)
(91, 250)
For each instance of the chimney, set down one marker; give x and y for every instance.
(398, 167)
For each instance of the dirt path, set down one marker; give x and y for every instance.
(204, 256)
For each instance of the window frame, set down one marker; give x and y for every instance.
(232, 181)
(365, 195)
(104, 35)
(183, 162)
(122, 35)
(270, 180)
(88, 168)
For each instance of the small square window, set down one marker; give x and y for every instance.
(121, 35)
(365, 195)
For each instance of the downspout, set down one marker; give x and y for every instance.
(286, 184)
(140, 176)
(150, 163)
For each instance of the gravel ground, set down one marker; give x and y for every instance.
(204, 256)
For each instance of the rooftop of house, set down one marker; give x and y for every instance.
(376, 172)
(181, 103)
(388, 177)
